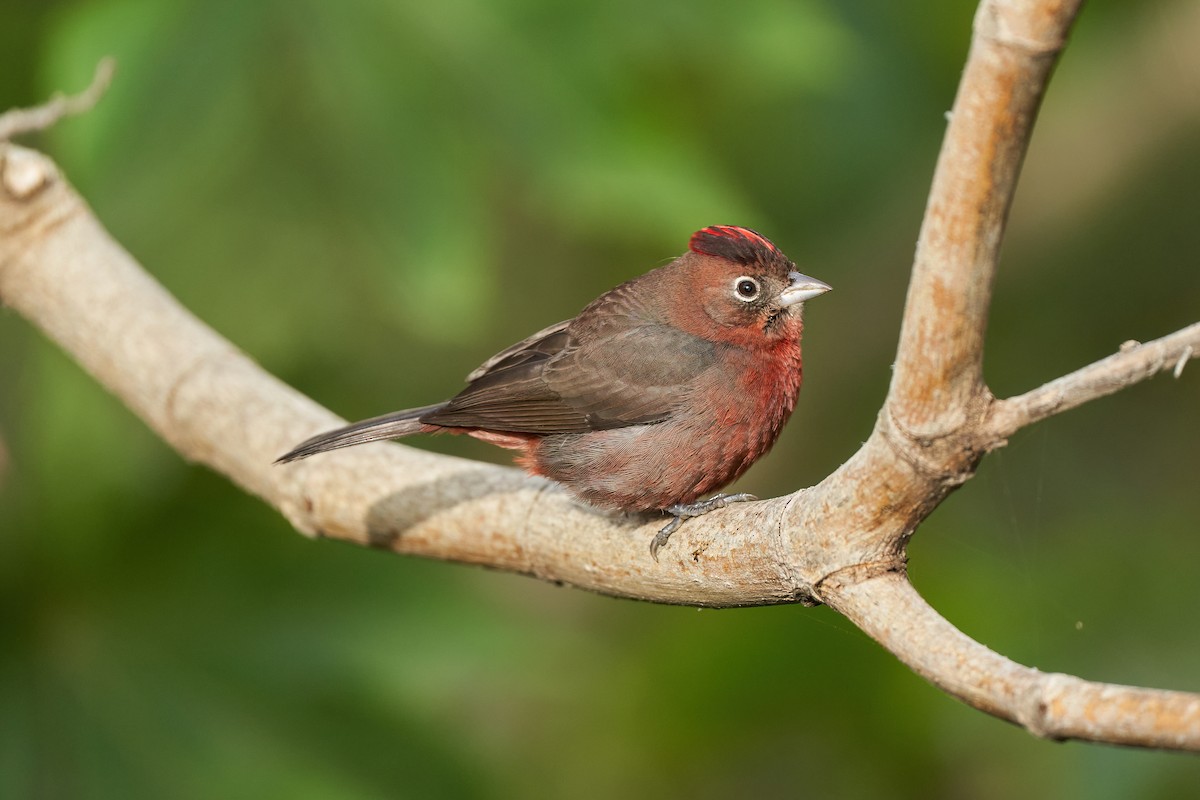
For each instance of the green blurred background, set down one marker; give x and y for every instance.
(371, 197)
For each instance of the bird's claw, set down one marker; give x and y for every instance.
(681, 511)
(661, 537)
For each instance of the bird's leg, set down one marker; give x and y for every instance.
(681, 511)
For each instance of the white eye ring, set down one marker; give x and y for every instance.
(746, 289)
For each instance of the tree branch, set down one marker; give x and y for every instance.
(1050, 705)
(60, 269)
(937, 385)
(842, 542)
(1135, 363)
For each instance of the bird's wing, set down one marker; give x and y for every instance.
(546, 342)
(581, 376)
(634, 376)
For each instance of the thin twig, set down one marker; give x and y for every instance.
(1125, 368)
(17, 121)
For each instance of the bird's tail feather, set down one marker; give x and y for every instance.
(388, 426)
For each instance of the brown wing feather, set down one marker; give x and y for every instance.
(611, 367)
(547, 341)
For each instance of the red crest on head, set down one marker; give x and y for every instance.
(735, 244)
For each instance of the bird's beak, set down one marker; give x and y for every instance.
(802, 288)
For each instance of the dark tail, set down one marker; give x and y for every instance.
(389, 426)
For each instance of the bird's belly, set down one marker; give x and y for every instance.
(648, 467)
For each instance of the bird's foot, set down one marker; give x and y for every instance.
(681, 511)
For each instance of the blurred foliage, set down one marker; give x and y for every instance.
(371, 197)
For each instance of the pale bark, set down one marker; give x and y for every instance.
(842, 542)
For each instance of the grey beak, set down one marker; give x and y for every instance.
(802, 288)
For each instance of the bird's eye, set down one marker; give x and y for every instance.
(745, 289)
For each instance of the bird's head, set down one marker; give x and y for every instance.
(742, 288)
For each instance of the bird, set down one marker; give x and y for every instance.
(659, 392)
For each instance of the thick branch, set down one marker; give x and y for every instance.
(1133, 364)
(60, 269)
(1051, 705)
(937, 385)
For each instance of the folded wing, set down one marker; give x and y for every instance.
(609, 368)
